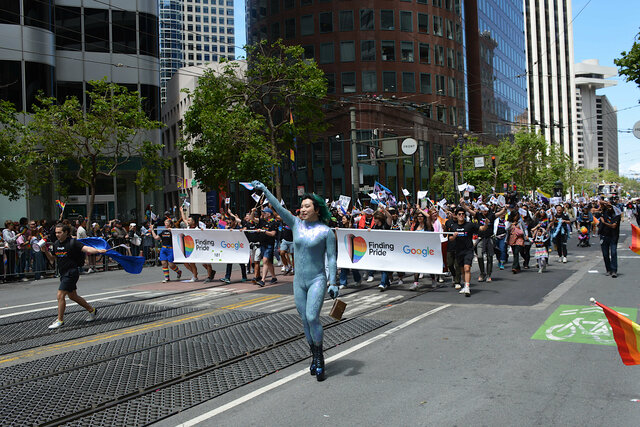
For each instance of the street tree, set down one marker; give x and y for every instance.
(17, 156)
(629, 62)
(240, 127)
(87, 144)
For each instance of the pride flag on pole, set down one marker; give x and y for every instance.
(626, 333)
(61, 204)
(635, 239)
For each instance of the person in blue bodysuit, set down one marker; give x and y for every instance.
(312, 241)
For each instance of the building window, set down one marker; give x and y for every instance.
(437, 25)
(348, 82)
(453, 116)
(440, 85)
(366, 19)
(275, 6)
(406, 51)
(346, 20)
(406, 21)
(450, 58)
(331, 82)
(148, 25)
(438, 51)
(441, 113)
(124, 31)
(326, 53)
(388, 48)
(37, 13)
(326, 22)
(452, 87)
(38, 77)
(389, 81)
(408, 82)
(386, 20)
(289, 28)
(11, 82)
(306, 25)
(459, 33)
(305, 2)
(460, 61)
(449, 29)
(423, 23)
(309, 52)
(275, 30)
(96, 30)
(425, 83)
(369, 81)
(347, 51)
(368, 50)
(424, 53)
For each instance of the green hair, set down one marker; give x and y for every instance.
(319, 204)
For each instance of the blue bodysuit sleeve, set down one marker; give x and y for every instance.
(286, 216)
(331, 256)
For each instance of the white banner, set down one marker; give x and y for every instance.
(210, 246)
(381, 250)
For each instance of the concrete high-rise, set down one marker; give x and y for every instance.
(552, 98)
(193, 33)
(58, 47)
(597, 120)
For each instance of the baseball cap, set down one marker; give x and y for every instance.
(267, 210)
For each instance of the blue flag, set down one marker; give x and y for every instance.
(130, 264)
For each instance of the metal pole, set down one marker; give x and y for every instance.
(355, 173)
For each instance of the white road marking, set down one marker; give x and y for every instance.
(630, 256)
(48, 302)
(579, 256)
(593, 271)
(269, 387)
(70, 304)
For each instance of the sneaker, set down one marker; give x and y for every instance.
(179, 273)
(400, 282)
(165, 280)
(466, 291)
(564, 259)
(382, 287)
(283, 270)
(434, 284)
(56, 324)
(370, 279)
(244, 279)
(414, 287)
(421, 276)
(539, 269)
(614, 274)
(24, 279)
(193, 279)
(440, 279)
(260, 283)
(90, 270)
(208, 280)
(501, 266)
(274, 280)
(342, 286)
(457, 286)
(358, 283)
(227, 281)
(488, 278)
(92, 315)
(481, 279)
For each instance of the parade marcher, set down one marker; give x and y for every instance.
(166, 250)
(485, 246)
(422, 222)
(381, 220)
(345, 222)
(540, 237)
(560, 233)
(452, 264)
(191, 222)
(68, 254)
(609, 234)
(234, 224)
(267, 229)
(516, 240)
(313, 240)
(462, 240)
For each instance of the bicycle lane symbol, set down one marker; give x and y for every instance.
(582, 324)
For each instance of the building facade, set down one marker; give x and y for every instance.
(194, 33)
(496, 67)
(58, 47)
(395, 70)
(597, 119)
(550, 74)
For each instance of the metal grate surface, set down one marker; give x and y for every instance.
(179, 397)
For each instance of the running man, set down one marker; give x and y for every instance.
(67, 252)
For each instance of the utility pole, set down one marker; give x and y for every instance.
(355, 172)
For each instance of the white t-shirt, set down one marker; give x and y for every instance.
(81, 233)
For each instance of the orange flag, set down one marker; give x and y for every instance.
(635, 239)
(626, 333)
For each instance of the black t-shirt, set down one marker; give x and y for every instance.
(270, 225)
(610, 218)
(488, 220)
(165, 237)
(69, 254)
(383, 226)
(464, 240)
(286, 233)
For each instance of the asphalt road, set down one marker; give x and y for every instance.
(444, 360)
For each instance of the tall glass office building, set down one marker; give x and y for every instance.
(496, 66)
(171, 43)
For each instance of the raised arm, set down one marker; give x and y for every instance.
(332, 257)
(287, 217)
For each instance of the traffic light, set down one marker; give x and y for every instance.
(493, 162)
(442, 163)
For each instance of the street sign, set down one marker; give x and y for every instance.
(478, 162)
(636, 129)
(182, 194)
(409, 146)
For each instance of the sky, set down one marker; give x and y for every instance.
(602, 29)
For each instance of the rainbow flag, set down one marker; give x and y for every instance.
(626, 333)
(635, 239)
(61, 205)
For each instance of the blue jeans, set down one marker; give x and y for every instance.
(24, 262)
(501, 246)
(384, 279)
(39, 264)
(609, 246)
(344, 273)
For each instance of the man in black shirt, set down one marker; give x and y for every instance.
(68, 253)
(267, 227)
(609, 234)
(462, 239)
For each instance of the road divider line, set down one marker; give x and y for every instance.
(49, 302)
(239, 401)
(251, 302)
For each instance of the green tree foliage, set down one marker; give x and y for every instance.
(238, 127)
(629, 62)
(18, 159)
(113, 131)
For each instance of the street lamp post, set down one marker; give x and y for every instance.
(461, 137)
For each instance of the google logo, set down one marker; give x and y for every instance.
(231, 245)
(413, 251)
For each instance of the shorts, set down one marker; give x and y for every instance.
(266, 251)
(166, 254)
(68, 280)
(286, 246)
(464, 257)
(254, 252)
